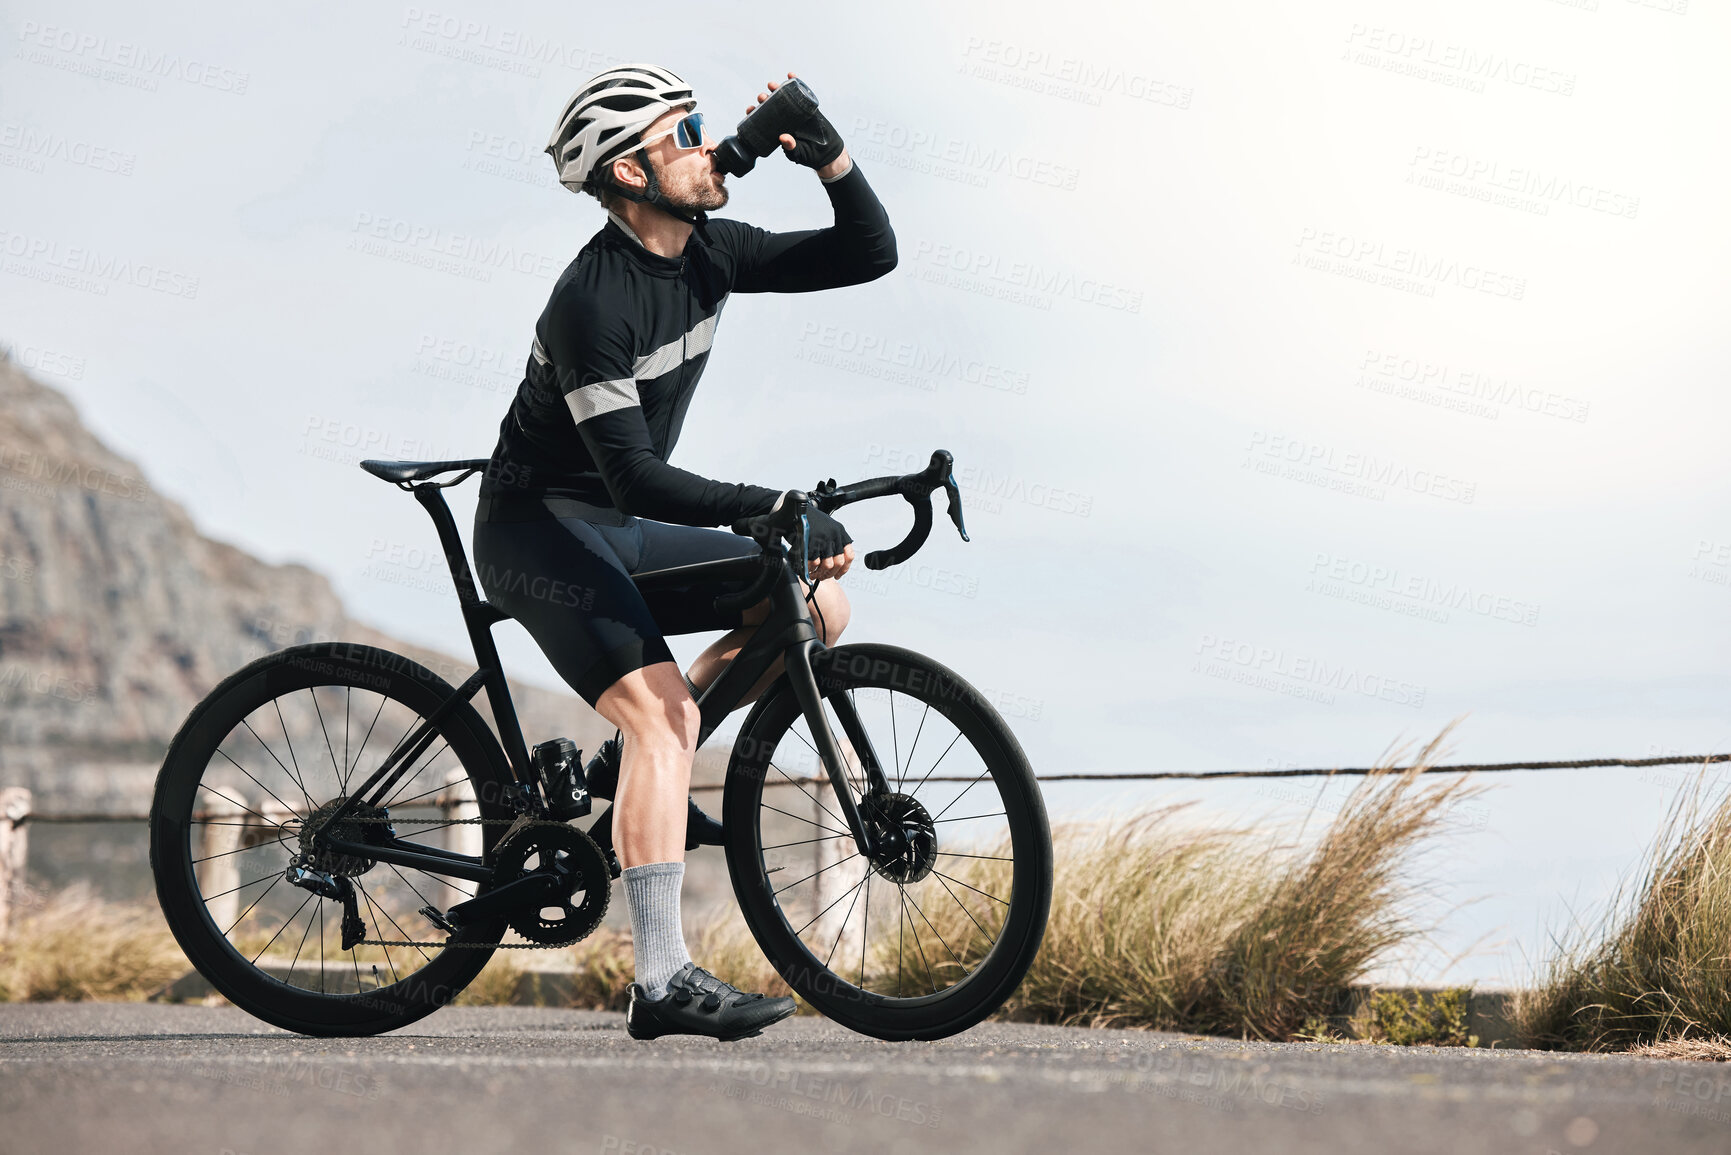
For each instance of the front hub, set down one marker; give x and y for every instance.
(905, 836)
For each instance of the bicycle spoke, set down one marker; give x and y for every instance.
(821, 777)
(972, 817)
(242, 886)
(401, 803)
(969, 913)
(903, 891)
(914, 745)
(403, 783)
(965, 789)
(934, 768)
(975, 889)
(818, 871)
(291, 747)
(842, 929)
(348, 693)
(344, 787)
(302, 944)
(325, 731)
(282, 928)
(940, 937)
(865, 926)
(807, 821)
(237, 850)
(832, 905)
(896, 753)
(802, 842)
(985, 857)
(424, 899)
(255, 902)
(295, 776)
(257, 783)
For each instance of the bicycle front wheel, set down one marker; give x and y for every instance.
(277, 746)
(933, 931)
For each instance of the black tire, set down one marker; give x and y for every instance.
(886, 682)
(199, 774)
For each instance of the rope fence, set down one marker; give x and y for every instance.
(17, 813)
(1147, 776)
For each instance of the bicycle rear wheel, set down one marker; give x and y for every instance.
(281, 741)
(934, 932)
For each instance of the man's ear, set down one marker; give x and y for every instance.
(631, 175)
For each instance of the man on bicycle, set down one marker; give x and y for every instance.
(579, 488)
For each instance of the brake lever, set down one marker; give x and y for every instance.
(955, 494)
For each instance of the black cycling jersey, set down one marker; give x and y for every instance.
(620, 347)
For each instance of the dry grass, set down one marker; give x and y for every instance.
(1656, 970)
(1154, 924)
(1221, 931)
(496, 985)
(73, 946)
(1699, 1050)
(604, 970)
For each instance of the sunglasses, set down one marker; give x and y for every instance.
(687, 132)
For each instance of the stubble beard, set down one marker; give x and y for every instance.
(699, 192)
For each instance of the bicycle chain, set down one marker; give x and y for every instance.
(525, 822)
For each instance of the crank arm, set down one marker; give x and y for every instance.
(526, 893)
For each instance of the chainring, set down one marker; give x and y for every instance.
(564, 849)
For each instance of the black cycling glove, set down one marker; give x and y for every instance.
(815, 143)
(827, 535)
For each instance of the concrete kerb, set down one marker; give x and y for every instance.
(551, 983)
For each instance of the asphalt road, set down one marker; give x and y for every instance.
(193, 1080)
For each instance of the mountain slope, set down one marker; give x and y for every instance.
(117, 615)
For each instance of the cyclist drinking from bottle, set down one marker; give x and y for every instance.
(579, 495)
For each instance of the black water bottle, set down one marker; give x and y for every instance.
(759, 134)
(561, 767)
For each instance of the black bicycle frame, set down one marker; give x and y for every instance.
(786, 631)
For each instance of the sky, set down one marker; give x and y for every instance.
(1316, 377)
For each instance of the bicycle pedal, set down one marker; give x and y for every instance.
(438, 919)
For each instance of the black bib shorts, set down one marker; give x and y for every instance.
(568, 581)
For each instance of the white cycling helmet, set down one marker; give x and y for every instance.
(608, 115)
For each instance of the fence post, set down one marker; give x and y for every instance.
(457, 800)
(14, 849)
(219, 847)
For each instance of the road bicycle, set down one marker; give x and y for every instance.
(340, 841)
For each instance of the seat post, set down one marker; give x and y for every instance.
(479, 617)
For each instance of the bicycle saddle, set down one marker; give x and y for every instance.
(399, 471)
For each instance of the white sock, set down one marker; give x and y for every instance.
(658, 943)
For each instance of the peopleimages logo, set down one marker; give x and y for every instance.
(970, 268)
(1400, 267)
(1417, 595)
(1358, 473)
(85, 52)
(88, 269)
(1297, 675)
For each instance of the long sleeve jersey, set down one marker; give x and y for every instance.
(622, 343)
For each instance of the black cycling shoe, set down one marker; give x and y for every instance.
(698, 1003)
(602, 773)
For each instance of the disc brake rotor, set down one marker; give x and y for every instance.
(906, 835)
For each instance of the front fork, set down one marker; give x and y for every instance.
(805, 690)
